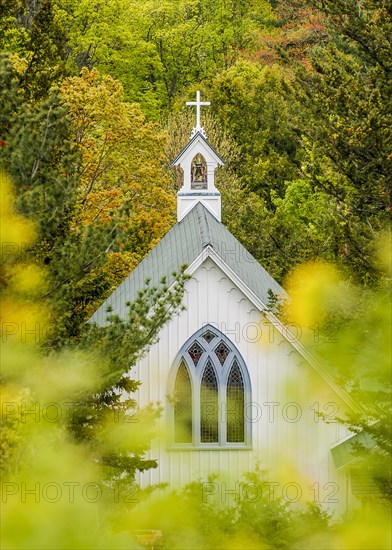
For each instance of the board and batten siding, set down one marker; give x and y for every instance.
(289, 441)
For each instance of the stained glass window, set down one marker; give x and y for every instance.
(220, 382)
(195, 351)
(222, 351)
(183, 406)
(208, 336)
(235, 405)
(209, 406)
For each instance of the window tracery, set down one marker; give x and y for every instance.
(210, 400)
(208, 336)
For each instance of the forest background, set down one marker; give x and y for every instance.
(92, 112)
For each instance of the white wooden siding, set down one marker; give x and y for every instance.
(296, 452)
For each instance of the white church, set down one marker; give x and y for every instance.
(238, 388)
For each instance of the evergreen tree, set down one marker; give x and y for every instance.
(347, 104)
(44, 161)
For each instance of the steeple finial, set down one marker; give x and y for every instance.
(198, 104)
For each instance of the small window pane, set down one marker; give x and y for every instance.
(209, 406)
(183, 407)
(208, 336)
(222, 351)
(235, 405)
(195, 352)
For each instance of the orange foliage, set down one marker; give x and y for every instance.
(300, 29)
(122, 173)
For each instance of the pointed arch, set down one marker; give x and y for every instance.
(183, 406)
(198, 172)
(209, 405)
(211, 387)
(235, 405)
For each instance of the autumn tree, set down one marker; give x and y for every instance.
(289, 36)
(122, 176)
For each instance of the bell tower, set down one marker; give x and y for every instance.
(198, 161)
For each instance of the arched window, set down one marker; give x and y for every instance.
(183, 406)
(209, 405)
(209, 388)
(235, 405)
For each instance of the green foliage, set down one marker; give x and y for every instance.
(91, 177)
(358, 354)
(308, 177)
(121, 343)
(31, 31)
(249, 517)
(253, 104)
(158, 49)
(41, 157)
(346, 100)
(89, 379)
(315, 150)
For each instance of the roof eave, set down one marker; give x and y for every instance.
(179, 157)
(283, 329)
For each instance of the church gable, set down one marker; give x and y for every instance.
(193, 368)
(189, 242)
(198, 144)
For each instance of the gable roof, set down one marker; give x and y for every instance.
(197, 137)
(197, 236)
(183, 244)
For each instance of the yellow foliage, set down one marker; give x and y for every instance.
(384, 253)
(314, 289)
(122, 173)
(27, 280)
(51, 487)
(16, 232)
(368, 530)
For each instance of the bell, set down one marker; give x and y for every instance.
(199, 176)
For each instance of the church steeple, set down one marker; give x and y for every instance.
(198, 161)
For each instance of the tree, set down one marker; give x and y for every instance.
(156, 50)
(122, 342)
(32, 32)
(358, 354)
(94, 439)
(252, 103)
(41, 157)
(289, 36)
(346, 97)
(122, 176)
(318, 155)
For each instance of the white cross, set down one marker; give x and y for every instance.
(198, 104)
